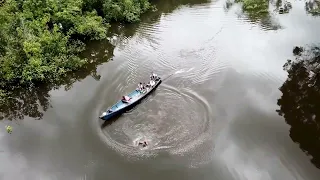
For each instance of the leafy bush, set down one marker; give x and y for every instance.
(40, 41)
(124, 10)
(255, 8)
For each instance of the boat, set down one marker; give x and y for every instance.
(134, 98)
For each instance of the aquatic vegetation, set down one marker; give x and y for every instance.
(40, 41)
(300, 100)
(9, 129)
(313, 7)
(258, 12)
(258, 6)
(282, 7)
(124, 10)
(255, 8)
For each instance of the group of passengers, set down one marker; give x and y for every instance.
(141, 87)
(144, 86)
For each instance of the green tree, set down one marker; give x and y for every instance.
(40, 41)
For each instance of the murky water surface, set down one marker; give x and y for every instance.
(213, 118)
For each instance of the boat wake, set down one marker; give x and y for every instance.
(170, 120)
(183, 71)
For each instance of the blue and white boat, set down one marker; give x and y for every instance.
(134, 98)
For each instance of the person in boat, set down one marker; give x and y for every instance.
(148, 85)
(152, 83)
(126, 99)
(140, 86)
(153, 76)
(143, 88)
(109, 111)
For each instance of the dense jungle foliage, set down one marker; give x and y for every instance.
(40, 41)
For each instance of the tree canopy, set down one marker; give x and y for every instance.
(40, 41)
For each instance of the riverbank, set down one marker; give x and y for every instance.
(40, 42)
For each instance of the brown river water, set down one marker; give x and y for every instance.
(214, 117)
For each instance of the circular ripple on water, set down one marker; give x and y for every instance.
(170, 120)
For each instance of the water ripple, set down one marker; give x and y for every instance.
(171, 120)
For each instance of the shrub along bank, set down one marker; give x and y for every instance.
(40, 41)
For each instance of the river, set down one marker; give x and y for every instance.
(213, 118)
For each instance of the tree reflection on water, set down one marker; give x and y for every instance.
(313, 7)
(33, 101)
(300, 101)
(257, 12)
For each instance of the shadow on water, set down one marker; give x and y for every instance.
(313, 7)
(110, 121)
(162, 7)
(33, 101)
(300, 101)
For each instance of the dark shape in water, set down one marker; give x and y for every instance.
(281, 10)
(300, 101)
(283, 7)
(35, 100)
(288, 5)
(257, 12)
(144, 144)
(313, 7)
(297, 50)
